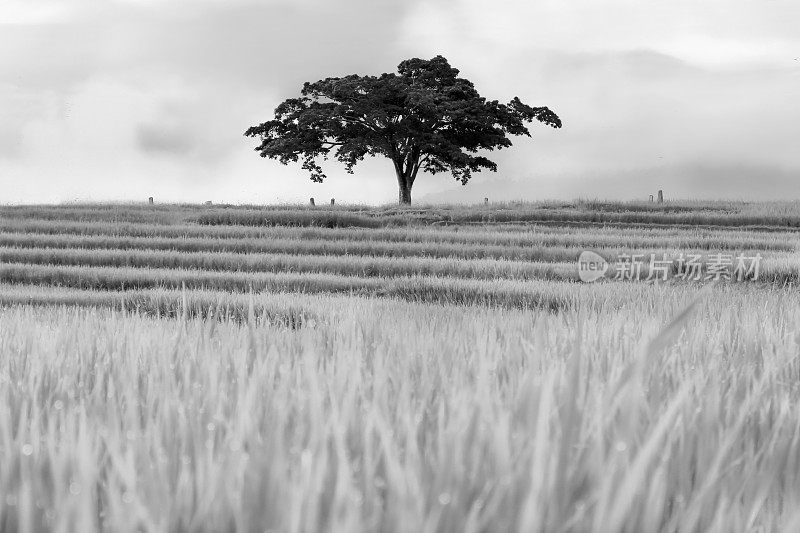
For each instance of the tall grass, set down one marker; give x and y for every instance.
(333, 247)
(492, 235)
(770, 215)
(777, 269)
(405, 418)
(528, 214)
(455, 291)
(412, 374)
(291, 307)
(292, 246)
(346, 265)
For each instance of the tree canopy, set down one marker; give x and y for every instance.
(424, 117)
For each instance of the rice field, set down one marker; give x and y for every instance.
(440, 368)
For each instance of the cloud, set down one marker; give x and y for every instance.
(164, 139)
(637, 85)
(110, 99)
(257, 44)
(704, 31)
(32, 11)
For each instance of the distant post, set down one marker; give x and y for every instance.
(651, 198)
(485, 201)
(150, 200)
(660, 196)
(311, 200)
(333, 201)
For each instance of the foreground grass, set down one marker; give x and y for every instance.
(401, 417)
(399, 370)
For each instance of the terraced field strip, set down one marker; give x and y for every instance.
(605, 297)
(317, 247)
(345, 265)
(503, 293)
(777, 217)
(297, 247)
(775, 269)
(446, 265)
(551, 295)
(532, 236)
(613, 226)
(290, 309)
(687, 217)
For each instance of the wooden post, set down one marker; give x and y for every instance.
(333, 201)
(485, 201)
(651, 198)
(660, 196)
(311, 200)
(150, 200)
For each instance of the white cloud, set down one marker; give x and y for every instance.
(131, 98)
(706, 31)
(32, 11)
(638, 84)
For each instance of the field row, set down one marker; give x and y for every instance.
(319, 247)
(293, 310)
(299, 306)
(292, 246)
(550, 288)
(345, 265)
(648, 216)
(779, 269)
(526, 236)
(772, 216)
(503, 293)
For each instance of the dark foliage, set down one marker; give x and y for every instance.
(424, 117)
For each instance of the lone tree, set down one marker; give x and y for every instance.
(423, 118)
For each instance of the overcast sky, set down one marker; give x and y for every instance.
(120, 100)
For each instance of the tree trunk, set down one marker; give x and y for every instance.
(405, 195)
(406, 170)
(404, 188)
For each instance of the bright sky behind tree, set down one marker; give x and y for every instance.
(121, 100)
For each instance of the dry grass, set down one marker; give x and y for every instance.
(503, 293)
(492, 235)
(157, 374)
(725, 214)
(401, 417)
(344, 265)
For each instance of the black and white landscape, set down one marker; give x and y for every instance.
(351, 266)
